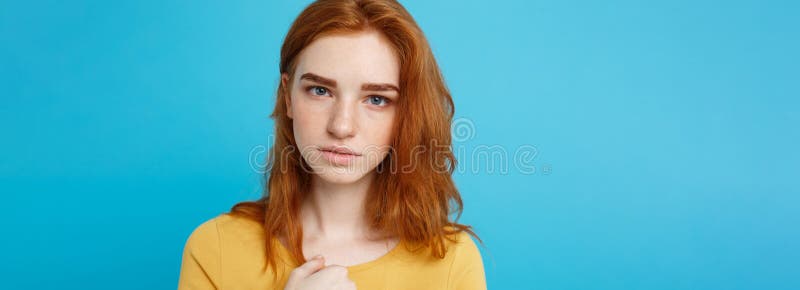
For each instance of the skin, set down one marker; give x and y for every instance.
(358, 112)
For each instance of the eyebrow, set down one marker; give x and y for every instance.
(332, 83)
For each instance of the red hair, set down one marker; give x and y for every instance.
(412, 194)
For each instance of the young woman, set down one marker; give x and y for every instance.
(359, 189)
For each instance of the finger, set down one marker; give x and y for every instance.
(336, 271)
(310, 267)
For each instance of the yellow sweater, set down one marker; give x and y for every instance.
(227, 252)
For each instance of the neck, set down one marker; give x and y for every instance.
(335, 211)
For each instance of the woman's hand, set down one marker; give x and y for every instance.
(314, 275)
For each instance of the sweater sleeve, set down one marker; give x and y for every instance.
(201, 263)
(467, 271)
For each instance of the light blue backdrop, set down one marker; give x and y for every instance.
(666, 136)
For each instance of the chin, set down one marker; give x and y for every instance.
(340, 175)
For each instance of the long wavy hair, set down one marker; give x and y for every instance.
(413, 194)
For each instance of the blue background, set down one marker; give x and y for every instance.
(666, 136)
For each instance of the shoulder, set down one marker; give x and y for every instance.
(235, 238)
(205, 236)
(463, 249)
(201, 262)
(209, 235)
(466, 265)
(461, 242)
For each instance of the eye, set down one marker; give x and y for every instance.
(378, 101)
(317, 90)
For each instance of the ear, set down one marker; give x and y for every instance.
(287, 96)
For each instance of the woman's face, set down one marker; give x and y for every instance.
(343, 97)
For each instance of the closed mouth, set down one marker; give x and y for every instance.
(339, 150)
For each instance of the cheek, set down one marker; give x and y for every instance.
(308, 120)
(377, 125)
(377, 131)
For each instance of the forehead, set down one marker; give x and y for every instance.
(355, 58)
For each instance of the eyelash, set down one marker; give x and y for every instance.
(311, 90)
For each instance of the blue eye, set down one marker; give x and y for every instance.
(318, 91)
(378, 100)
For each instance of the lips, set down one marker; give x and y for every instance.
(339, 150)
(339, 155)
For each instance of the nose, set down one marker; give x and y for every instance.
(342, 123)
